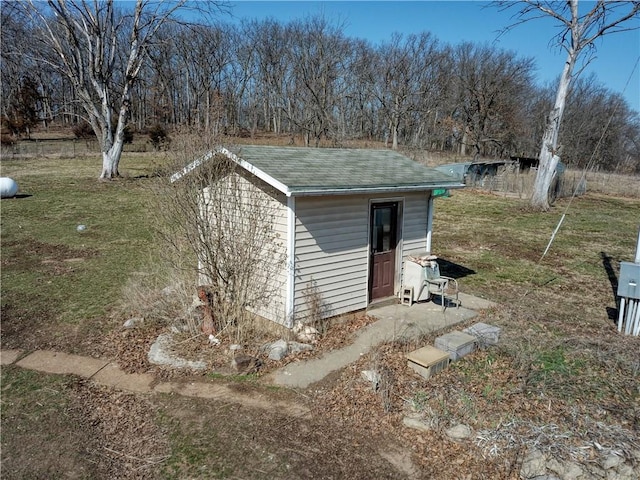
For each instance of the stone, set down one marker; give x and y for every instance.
(534, 465)
(565, 470)
(612, 461)
(297, 347)
(623, 472)
(305, 333)
(416, 423)
(134, 322)
(234, 347)
(371, 376)
(277, 350)
(160, 354)
(459, 432)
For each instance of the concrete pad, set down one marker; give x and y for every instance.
(62, 363)
(475, 303)
(394, 322)
(7, 357)
(113, 376)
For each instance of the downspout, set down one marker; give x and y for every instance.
(291, 270)
(429, 221)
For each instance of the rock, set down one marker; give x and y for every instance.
(459, 432)
(305, 333)
(81, 228)
(612, 461)
(277, 350)
(234, 347)
(213, 340)
(134, 322)
(623, 472)
(297, 347)
(245, 364)
(594, 472)
(416, 423)
(371, 376)
(565, 470)
(534, 465)
(160, 354)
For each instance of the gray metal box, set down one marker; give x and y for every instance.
(458, 344)
(629, 283)
(485, 334)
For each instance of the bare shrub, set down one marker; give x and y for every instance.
(317, 312)
(220, 224)
(161, 298)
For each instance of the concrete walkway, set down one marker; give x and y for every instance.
(107, 373)
(394, 322)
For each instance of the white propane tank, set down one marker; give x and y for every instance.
(8, 187)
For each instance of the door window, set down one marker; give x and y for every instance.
(383, 234)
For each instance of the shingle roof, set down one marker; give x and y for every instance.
(323, 171)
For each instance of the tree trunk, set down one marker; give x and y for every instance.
(111, 153)
(396, 125)
(548, 159)
(109, 165)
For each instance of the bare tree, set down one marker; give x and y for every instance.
(577, 37)
(402, 66)
(224, 223)
(492, 86)
(317, 55)
(101, 50)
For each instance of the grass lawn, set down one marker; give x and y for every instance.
(58, 282)
(560, 361)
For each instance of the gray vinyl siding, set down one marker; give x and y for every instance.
(332, 247)
(331, 250)
(257, 194)
(275, 309)
(415, 224)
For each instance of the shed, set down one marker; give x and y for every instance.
(347, 220)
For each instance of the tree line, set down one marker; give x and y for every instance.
(307, 80)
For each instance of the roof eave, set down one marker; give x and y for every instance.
(235, 158)
(308, 192)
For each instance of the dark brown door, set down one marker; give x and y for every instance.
(384, 219)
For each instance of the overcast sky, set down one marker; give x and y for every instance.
(616, 63)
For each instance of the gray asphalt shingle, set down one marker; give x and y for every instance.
(331, 169)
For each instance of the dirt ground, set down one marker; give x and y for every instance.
(351, 432)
